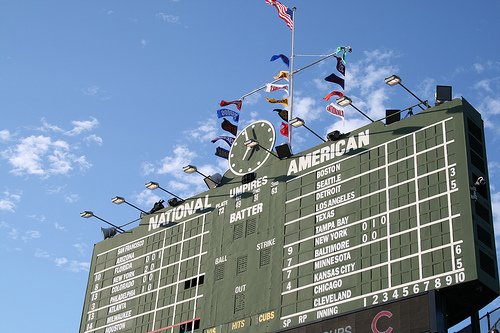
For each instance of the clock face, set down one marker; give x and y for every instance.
(243, 159)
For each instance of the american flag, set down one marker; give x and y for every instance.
(284, 12)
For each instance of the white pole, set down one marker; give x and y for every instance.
(290, 114)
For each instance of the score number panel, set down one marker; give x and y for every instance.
(373, 227)
(150, 284)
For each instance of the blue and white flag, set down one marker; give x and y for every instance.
(227, 139)
(228, 113)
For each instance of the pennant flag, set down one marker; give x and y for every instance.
(284, 129)
(282, 113)
(282, 75)
(270, 87)
(283, 57)
(284, 12)
(238, 103)
(335, 79)
(336, 112)
(334, 93)
(228, 113)
(227, 139)
(227, 126)
(343, 50)
(221, 152)
(283, 101)
(340, 66)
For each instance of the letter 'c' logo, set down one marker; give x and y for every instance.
(379, 315)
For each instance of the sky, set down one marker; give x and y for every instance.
(99, 97)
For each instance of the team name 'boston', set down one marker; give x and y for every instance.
(179, 212)
(336, 149)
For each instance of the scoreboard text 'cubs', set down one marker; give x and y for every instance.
(387, 229)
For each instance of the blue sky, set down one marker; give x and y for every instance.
(99, 97)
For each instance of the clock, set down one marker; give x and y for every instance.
(243, 158)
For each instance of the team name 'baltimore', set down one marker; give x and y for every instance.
(326, 153)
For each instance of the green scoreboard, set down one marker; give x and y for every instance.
(387, 228)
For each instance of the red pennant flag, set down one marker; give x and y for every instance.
(284, 129)
(340, 65)
(238, 103)
(334, 93)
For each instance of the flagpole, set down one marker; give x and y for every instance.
(290, 114)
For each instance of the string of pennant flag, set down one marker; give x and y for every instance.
(231, 117)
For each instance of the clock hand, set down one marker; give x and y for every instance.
(246, 152)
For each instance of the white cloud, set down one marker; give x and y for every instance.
(93, 139)
(26, 157)
(80, 126)
(38, 218)
(4, 135)
(81, 248)
(13, 233)
(9, 200)
(147, 168)
(148, 197)
(78, 266)
(7, 205)
(252, 99)
(39, 253)
(206, 130)
(72, 198)
(484, 85)
(31, 234)
(91, 90)
(489, 109)
(173, 164)
(42, 156)
(59, 227)
(46, 127)
(306, 108)
(169, 18)
(60, 261)
(348, 125)
(72, 265)
(495, 205)
(144, 42)
(479, 68)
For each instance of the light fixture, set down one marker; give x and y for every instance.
(172, 202)
(344, 101)
(334, 135)
(190, 169)
(297, 122)
(283, 151)
(154, 185)
(119, 200)
(107, 232)
(443, 94)
(157, 206)
(394, 79)
(248, 178)
(211, 181)
(251, 143)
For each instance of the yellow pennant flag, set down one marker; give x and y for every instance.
(282, 75)
(283, 101)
